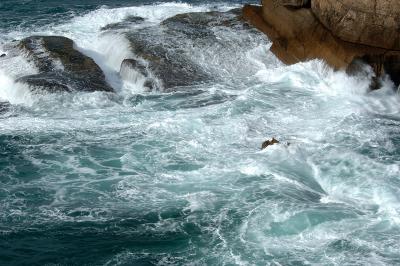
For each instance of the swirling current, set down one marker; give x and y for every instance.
(177, 177)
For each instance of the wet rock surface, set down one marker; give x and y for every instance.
(4, 107)
(167, 47)
(61, 67)
(135, 71)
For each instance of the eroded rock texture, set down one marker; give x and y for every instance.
(369, 22)
(298, 35)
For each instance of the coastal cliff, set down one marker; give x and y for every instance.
(302, 30)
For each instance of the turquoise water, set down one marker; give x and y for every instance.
(178, 178)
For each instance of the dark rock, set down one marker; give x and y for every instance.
(131, 66)
(166, 47)
(3, 55)
(391, 65)
(359, 67)
(269, 143)
(200, 24)
(61, 67)
(53, 82)
(166, 61)
(4, 107)
(125, 24)
(134, 64)
(295, 3)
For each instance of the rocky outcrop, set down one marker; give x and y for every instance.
(161, 47)
(369, 22)
(168, 49)
(169, 67)
(298, 35)
(61, 67)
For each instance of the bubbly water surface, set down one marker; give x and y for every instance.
(154, 178)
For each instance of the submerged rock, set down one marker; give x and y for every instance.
(267, 143)
(61, 66)
(4, 107)
(298, 35)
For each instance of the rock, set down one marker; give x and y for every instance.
(61, 66)
(167, 48)
(391, 66)
(135, 71)
(125, 24)
(297, 35)
(267, 143)
(140, 67)
(169, 67)
(4, 107)
(200, 24)
(369, 22)
(52, 82)
(3, 55)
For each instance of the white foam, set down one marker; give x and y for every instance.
(200, 201)
(12, 92)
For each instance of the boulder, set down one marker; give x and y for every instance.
(170, 67)
(3, 55)
(297, 35)
(172, 49)
(61, 67)
(369, 22)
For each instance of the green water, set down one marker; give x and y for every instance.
(153, 178)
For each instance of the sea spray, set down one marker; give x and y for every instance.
(152, 177)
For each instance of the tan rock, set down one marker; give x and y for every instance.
(369, 22)
(297, 35)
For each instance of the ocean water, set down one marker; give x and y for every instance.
(144, 177)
